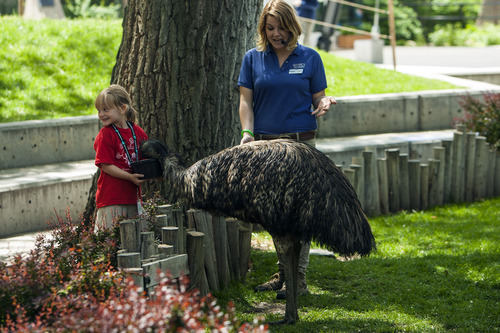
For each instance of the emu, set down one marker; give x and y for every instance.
(291, 189)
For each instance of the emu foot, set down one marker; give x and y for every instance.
(283, 321)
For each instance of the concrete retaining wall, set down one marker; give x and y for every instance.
(36, 142)
(31, 208)
(387, 113)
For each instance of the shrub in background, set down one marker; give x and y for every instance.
(483, 118)
(471, 35)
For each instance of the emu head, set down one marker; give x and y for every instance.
(154, 149)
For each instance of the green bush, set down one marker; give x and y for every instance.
(483, 118)
(455, 35)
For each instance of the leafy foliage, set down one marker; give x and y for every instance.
(483, 117)
(455, 35)
(70, 283)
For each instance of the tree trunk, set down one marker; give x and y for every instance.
(180, 62)
(489, 13)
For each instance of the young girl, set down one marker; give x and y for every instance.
(117, 146)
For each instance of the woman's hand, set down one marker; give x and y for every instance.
(322, 104)
(246, 138)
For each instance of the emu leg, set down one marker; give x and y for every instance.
(289, 251)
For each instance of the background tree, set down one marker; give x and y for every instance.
(180, 62)
(490, 12)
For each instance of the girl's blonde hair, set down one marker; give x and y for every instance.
(114, 97)
(288, 19)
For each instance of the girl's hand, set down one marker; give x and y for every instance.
(136, 178)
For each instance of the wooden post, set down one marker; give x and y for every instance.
(178, 221)
(245, 239)
(196, 261)
(458, 169)
(129, 260)
(424, 186)
(372, 200)
(148, 246)
(393, 178)
(383, 186)
(447, 145)
(129, 236)
(220, 240)
(165, 250)
(497, 174)
(170, 235)
(392, 30)
(203, 223)
(414, 183)
(137, 275)
(233, 239)
(433, 181)
(351, 176)
(439, 154)
(20, 7)
(359, 182)
(490, 179)
(164, 210)
(470, 155)
(480, 168)
(404, 187)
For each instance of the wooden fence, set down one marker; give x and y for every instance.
(212, 250)
(463, 169)
(215, 251)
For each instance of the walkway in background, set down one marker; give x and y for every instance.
(440, 62)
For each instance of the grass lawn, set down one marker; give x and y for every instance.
(434, 271)
(55, 68)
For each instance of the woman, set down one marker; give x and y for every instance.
(282, 92)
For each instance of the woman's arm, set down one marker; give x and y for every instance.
(246, 113)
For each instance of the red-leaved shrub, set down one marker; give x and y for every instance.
(483, 118)
(70, 283)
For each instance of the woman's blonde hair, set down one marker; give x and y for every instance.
(114, 97)
(288, 19)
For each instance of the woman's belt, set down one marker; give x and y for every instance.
(302, 136)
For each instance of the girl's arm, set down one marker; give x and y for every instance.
(116, 172)
(246, 113)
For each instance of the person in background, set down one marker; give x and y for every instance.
(306, 9)
(117, 146)
(282, 92)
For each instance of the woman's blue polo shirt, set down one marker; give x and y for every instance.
(282, 97)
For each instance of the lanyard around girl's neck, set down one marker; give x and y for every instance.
(125, 145)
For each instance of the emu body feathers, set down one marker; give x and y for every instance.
(293, 190)
(285, 186)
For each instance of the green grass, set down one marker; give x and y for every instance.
(434, 271)
(56, 68)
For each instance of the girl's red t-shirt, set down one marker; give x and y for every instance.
(109, 150)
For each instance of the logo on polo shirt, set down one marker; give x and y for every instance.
(297, 68)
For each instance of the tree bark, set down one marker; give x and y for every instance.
(180, 62)
(489, 13)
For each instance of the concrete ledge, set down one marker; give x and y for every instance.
(30, 197)
(36, 142)
(418, 145)
(402, 112)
